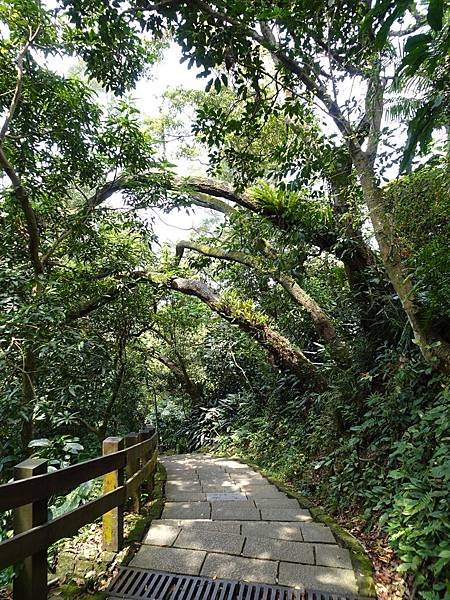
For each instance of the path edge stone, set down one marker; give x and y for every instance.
(154, 513)
(362, 565)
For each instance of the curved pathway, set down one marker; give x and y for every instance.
(224, 520)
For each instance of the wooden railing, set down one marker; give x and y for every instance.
(127, 463)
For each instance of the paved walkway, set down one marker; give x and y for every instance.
(224, 520)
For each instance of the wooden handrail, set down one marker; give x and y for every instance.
(41, 537)
(30, 493)
(24, 491)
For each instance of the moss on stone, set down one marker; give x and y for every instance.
(71, 591)
(150, 511)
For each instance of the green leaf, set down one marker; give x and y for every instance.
(435, 14)
(40, 443)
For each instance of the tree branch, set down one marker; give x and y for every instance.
(286, 355)
(309, 80)
(18, 88)
(106, 297)
(205, 201)
(193, 389)
(19, 190)
(322, 322)
(29, 214)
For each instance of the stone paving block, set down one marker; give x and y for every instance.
(285, 514)
(181, 473)
(183, 486)
(180, 467)
(320, 578)
(245, 482)
(234, 511)
(201, 524)
(181, 477)
(187, 510)
(263, 491)
(173, 560)
(186, 496)
(226, 526)
(181, 483)
(281, 531)
(257, 486)
(179, 522)
(216, 480)
(226, 497)
(161, 535)
(210, 541)
(271, 549)
(252, 475)
(244, 476)
(223, 487)
(231, 464)
(240, 468)
(316, 532)
(276, 503)
(211, 473)
(237, 567)
(329, 555)
(244, 505)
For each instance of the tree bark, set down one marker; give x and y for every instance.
(322, 323)
(434, 349)
(284, 354)
(193, 389)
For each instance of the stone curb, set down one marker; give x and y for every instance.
(155, 513)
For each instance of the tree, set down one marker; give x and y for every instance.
(321, 321)
(314, 48)
(64, 254)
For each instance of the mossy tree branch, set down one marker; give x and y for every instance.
(322, 323)
(284, 353)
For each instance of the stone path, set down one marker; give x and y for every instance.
(224, 520)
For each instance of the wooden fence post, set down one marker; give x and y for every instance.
(149, 431)
(149, 428)
(113, 520)
(31, 575)
(145, 435)
(132, 467)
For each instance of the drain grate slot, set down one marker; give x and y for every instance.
(140, 584)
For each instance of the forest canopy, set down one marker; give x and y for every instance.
(303, 323)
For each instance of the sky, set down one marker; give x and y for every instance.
(169, 73)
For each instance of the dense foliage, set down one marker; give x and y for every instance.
(304, 324)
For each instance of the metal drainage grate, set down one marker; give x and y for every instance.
(137, 584)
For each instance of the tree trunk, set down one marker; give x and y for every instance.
(194, 390)
(434, 349)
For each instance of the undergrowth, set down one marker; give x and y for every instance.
(380, 450)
